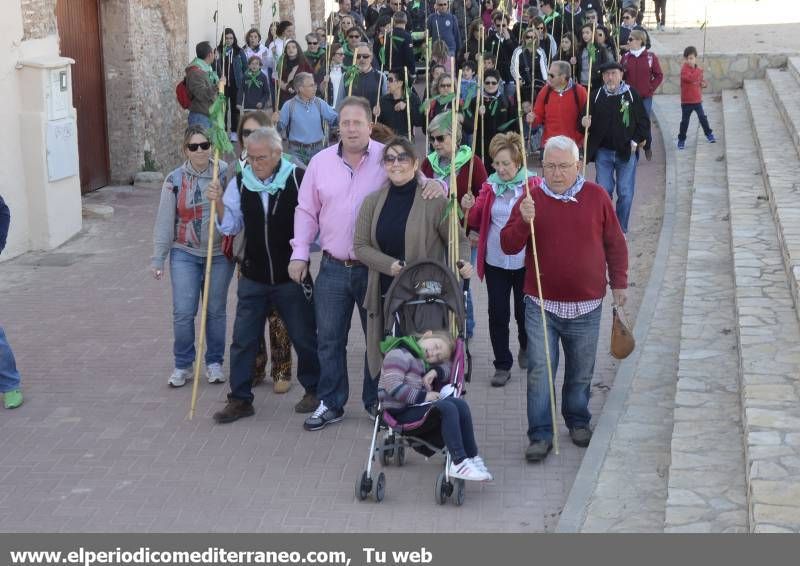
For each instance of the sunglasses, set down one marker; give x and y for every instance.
(313, 42)
(446, 85)
(363, 56)
(246, 133)
(439, 139)
(196, 146)
(490, 83)
(401, 158)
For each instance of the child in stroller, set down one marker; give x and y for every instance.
(414, 381)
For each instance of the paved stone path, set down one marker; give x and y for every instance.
(707, 490)
(102, 443)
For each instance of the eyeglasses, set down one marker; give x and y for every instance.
(195, 146)
(313, 42)
(562, 167)
(439, 139)
(490, 83)
(364, 56)
(401, 158)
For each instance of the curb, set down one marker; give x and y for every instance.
(577, 504)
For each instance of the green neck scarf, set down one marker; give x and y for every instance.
(499, 186)
(463, 155)
(441, 99)
(206, 68)
(278, 182)
(411, 343)
(251, 79)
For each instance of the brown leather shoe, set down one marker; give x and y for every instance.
(281, 386)
(307, 404)
(234, 410)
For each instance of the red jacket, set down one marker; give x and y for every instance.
(561, 113)
(576, 242)
(480, 218)
(643, 73)
(691, 84)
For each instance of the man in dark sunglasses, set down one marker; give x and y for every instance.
(367, 82)
(315, 54)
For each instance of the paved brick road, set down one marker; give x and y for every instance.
(102, 444)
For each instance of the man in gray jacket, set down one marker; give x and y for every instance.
(202, 83)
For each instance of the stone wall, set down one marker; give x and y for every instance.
(722, 71)
(144, 46)
(38, 18)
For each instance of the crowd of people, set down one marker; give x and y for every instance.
(327, 160)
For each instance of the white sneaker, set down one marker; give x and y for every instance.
(179, 377)
(479, 463)
(214, 373)
(467, 470)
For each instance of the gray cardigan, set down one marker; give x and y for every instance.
(426, 237)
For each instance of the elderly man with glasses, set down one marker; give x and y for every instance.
(366, 82)
(258, 207)
(573, 218)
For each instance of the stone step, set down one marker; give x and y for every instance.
(767, 329)
(784, 87)
(627, 477)
(793, 66)
(780, 169)
(706, 490)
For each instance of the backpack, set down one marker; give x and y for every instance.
(574, 90)
(182, 94)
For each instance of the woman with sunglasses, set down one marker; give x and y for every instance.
(505, 274)
(502, 44)
(393, 105)
(439, 164)
(291, 63)
(181, 230)
(442, 101)
(279, 345)
(395, 227)
(495, 115)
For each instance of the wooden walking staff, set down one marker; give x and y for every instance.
(550, 381)
(427, 77)
(588, 98)
(406, 86)
(478, 101)
(454, 230)
(201, 340)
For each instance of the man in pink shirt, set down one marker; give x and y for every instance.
(334, 186)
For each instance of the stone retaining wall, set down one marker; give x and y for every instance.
(722, 71)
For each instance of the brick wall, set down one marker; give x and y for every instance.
(38, 18)
(145, 56)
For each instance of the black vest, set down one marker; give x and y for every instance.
(267, 250)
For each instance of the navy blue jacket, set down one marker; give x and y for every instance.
(5, 220)
(445, 27)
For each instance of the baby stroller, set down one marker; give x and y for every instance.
(423, 297)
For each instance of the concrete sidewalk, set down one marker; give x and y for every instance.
(102, 444)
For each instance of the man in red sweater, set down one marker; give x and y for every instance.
(578, 240)
(559, 105)
(692, 85)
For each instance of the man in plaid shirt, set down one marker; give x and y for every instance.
(578, 241)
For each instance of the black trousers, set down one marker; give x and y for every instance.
(499, 285)
(686, 114)
(661, 10)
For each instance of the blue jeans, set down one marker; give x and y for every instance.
(255, 300)
(9, 376)
(457, 431)
(201, 119)
(338, 289)
(578, 338)
(686, 114)
(615, 172)
(187, 273)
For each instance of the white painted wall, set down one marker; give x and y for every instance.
(43, 214)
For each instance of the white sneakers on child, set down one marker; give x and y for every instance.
(469, 470)
(478, 461)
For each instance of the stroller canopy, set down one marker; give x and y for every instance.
(421, 298)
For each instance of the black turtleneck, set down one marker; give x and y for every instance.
(390, 232)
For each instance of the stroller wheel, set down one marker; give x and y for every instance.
(459, 489)
(440, 491)
(363, 486)
(387, 452)
(400, 456)
(380, 487)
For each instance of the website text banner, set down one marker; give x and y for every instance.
(394, 550)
